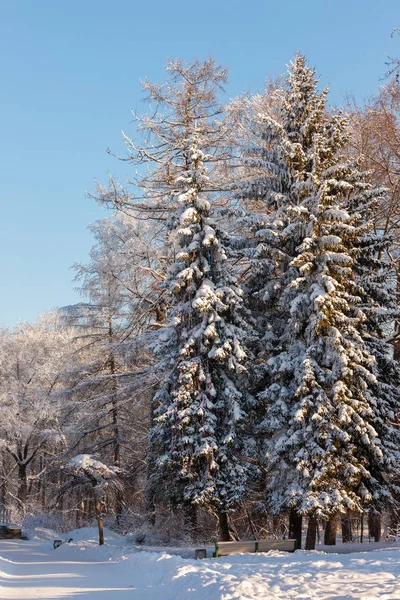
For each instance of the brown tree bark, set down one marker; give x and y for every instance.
(330, 531)
(23, 485)
(42, 484)
(362, 527)
(311, 533)
(250, 521)
(396, 341)
(347, 533)
(374, 525)
(295, 527)
(3, 486)
(151, 462)
(191, 524)
(394, 515)
(100, 522)
(224, 532)
(115, 416)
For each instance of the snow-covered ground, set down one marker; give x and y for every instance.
(34, 570)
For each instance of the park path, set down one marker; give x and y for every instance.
(29, 570)
(33, 570)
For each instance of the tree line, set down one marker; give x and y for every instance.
(235, 357)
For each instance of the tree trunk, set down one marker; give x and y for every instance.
(374, 525)
(370, 524)
(251, 524)
(23, 485)
(347, 533)
(3, 486)
(396, 342)
(395, 519)
(330, 531)
(100, 522)
(114, 396)
(295, 527)
(224, 532)
(378, 528)
(362, 527)
(115, 416)
(191, 521)
(42, 484)
(86, 510)
(311, 533)
(151, 461)
(119, 505)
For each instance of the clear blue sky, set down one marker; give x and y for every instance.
(70, 73)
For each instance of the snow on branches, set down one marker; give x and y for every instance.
(324, 449)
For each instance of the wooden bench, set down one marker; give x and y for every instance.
(10, 533)
(5, 515)
(226, 548)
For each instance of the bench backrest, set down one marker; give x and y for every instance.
(282, 545)
(226, 548)
(5, 515)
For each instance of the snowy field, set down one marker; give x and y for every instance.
(34, 570)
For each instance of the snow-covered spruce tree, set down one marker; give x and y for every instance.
(325, 453)
(374, 130)
(274, 134)
(376, 281)
(200, 408)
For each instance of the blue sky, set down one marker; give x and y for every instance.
(70, 73)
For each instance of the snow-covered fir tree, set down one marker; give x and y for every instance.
(376, 286)
(326, 453)
(200, 408)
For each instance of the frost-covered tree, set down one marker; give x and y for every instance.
(32, 357)
(202, 410)
(325, 453)
(201, 405)
(375, 131)
(376, 281)
(107, 392)
(85, 471)
(101, 381)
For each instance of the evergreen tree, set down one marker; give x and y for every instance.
(325, 452)
(377, 282)
(201, 406)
